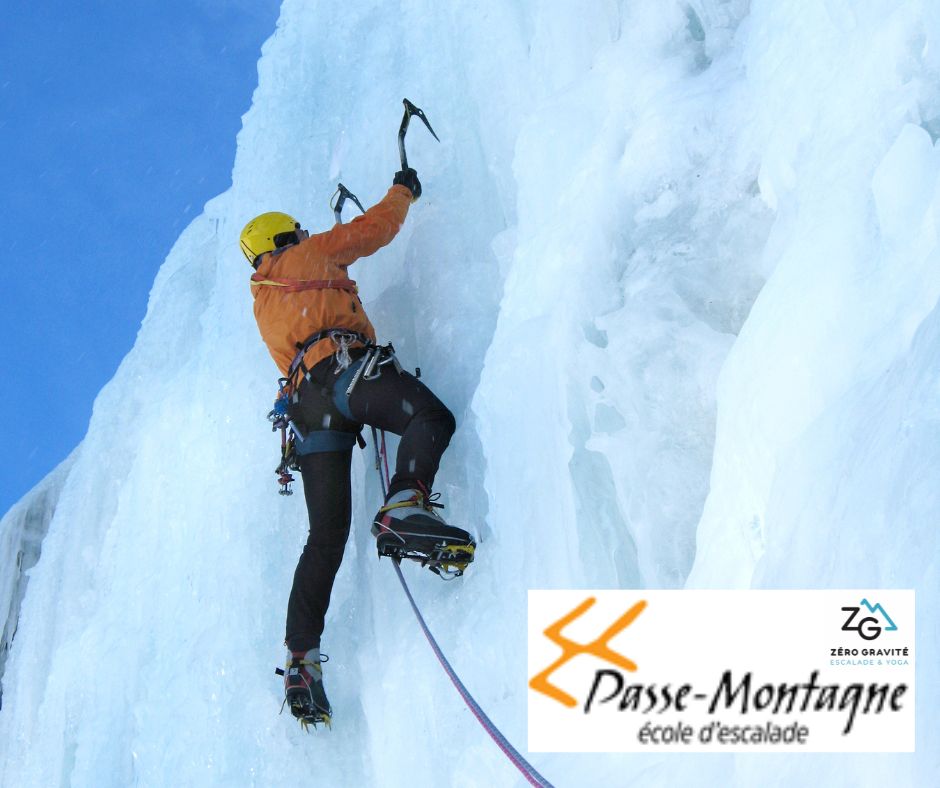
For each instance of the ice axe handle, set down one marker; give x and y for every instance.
(410, 109)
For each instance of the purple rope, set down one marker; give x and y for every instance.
(518, 761)
(533, 777)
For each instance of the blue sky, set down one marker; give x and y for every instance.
(117, 124)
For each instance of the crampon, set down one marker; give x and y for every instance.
(304, 694)
(447, 552)
(307, 714)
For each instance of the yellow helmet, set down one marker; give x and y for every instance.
(267, 232)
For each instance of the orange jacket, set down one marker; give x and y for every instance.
(286, 318)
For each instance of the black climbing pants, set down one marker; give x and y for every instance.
(396, 402)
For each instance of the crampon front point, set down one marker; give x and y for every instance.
(308, 717)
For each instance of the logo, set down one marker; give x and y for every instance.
(868, 626)
(634, 670)
(570, 649)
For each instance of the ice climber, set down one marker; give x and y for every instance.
(314, 325)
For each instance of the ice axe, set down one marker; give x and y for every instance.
(410, 109)
(336, 203)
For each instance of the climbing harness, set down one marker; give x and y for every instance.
(342, 338)
(287, 395)
(294, 441)
(287, 386)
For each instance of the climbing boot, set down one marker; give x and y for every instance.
(303, 688)
(409, 526)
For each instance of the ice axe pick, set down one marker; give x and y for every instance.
(339, 198)
(410, 109)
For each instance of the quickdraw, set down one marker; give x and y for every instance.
(280, 421)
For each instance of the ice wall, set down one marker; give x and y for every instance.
(22, 531)
(675, 272)
(825, 457)
(854, 181)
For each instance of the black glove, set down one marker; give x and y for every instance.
(409, 179)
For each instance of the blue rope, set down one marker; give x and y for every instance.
(518, 761)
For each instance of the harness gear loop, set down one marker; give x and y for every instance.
(294, 441)
(279, 421)
(343, 338)
(370, 368)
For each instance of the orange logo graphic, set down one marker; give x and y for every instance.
(570, 649)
